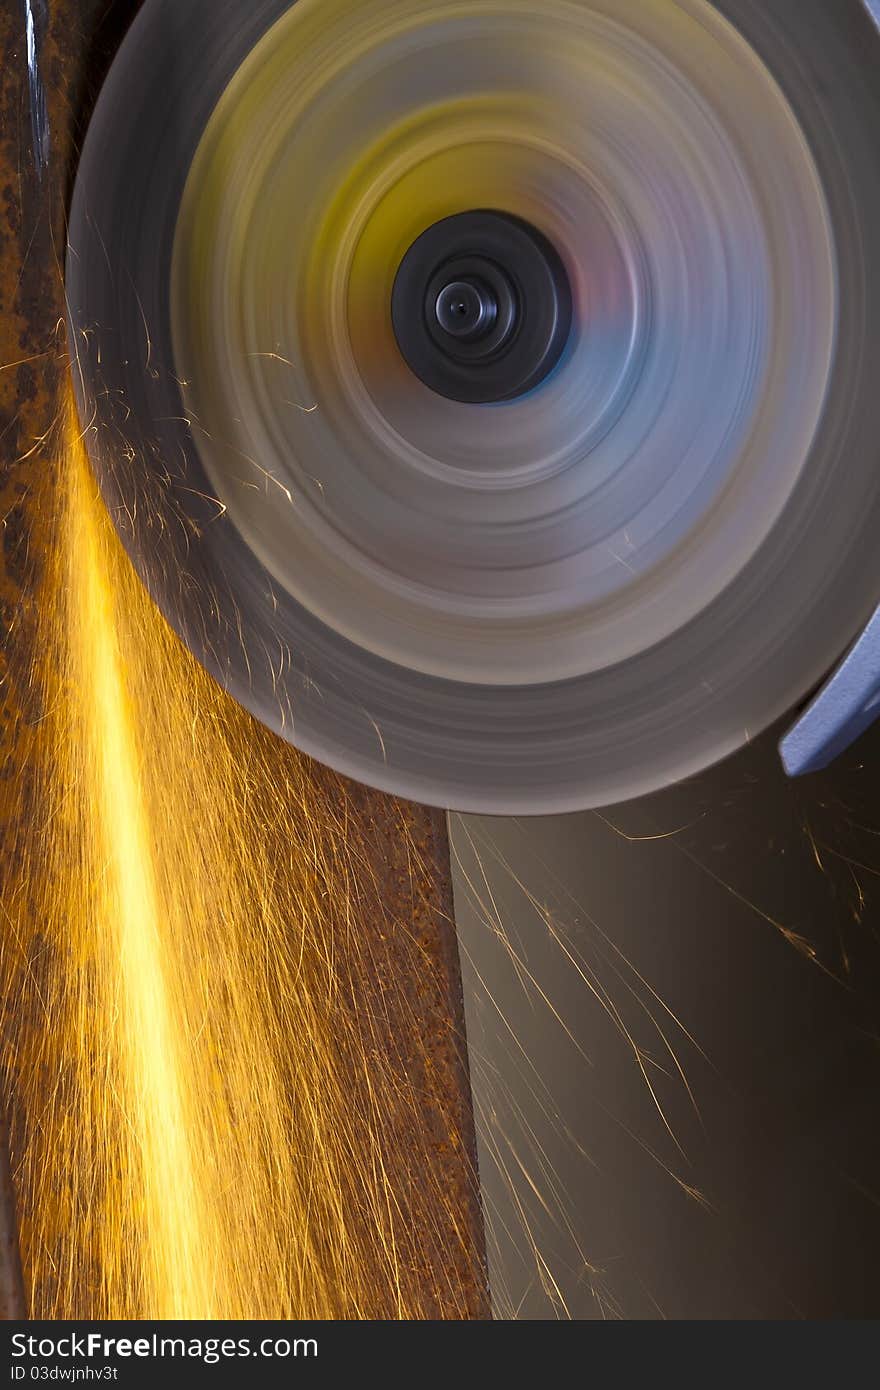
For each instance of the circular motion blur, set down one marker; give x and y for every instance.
(483, 389)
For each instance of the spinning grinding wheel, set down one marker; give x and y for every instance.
(487, 391)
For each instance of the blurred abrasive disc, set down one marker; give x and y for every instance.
(486, 391)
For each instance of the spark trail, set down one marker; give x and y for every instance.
(227, 1007)
(152, 1055)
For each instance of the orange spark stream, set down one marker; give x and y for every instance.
(152, 1055)
(232, 1056)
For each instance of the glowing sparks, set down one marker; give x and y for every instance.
(152, 1054)
(215, 1026)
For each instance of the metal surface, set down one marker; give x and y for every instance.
(645, 561)
(845, 706)
(12, 1300)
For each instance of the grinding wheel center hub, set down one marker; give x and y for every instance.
(466, 309)
(481, 307)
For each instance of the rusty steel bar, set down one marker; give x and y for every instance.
(12, 1299)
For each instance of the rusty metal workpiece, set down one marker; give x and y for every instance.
(404, 846)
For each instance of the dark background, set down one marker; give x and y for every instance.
(748, 906)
